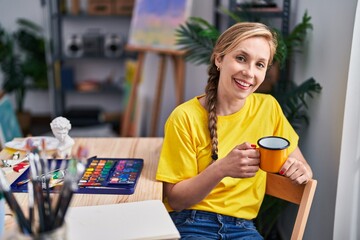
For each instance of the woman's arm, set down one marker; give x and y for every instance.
(296, 168)
(191, 191)
(242, 162)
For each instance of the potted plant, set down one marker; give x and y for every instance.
(197, 37)
(23, 64)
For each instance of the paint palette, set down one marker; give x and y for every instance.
(125, 172)
(111, 175)
(102, 176)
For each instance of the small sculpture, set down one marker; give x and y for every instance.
(60, 127)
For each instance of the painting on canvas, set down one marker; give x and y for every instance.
(153, 23)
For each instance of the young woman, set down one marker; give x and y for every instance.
(213, 186)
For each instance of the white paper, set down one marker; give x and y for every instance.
(136, 220)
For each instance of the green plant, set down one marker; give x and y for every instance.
(22, 60)
(197, 37)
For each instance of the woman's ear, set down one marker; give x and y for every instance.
(218, 60)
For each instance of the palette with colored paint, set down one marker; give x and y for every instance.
(110, 173)
(102, 176)
(125, 172)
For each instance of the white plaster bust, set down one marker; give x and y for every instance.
(60, 127)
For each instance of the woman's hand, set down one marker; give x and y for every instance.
(242, 162)
(296, 168)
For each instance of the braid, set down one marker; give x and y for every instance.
(210, 104)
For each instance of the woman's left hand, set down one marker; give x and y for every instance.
(296, 168)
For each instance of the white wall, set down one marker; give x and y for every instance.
(347, 211)
(327, 60)
(10, 11)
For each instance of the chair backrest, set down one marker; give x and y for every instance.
(281, 187)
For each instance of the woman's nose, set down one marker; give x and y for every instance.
(248, 72)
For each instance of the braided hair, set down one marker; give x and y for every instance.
(227, 41)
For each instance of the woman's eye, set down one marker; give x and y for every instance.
(241, 58)
(261, 65)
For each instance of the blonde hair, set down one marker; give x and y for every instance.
(227, 41)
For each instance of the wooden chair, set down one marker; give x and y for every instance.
(302, 195)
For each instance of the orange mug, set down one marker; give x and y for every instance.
(273, 153)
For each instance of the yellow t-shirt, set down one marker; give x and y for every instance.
(186, 151)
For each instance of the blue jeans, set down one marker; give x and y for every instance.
(195, 224)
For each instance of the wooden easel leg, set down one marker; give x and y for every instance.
(179, 76)
(133, 96)
(158, 95)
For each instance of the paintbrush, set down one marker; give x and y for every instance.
(37, 185)
(20, 183)
(31, 204)
(76, 170)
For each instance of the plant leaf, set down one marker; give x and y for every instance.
(298, 35)
(198, 38)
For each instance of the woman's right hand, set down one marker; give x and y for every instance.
(241, 162)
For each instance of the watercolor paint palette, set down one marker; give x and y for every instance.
(101, 176)
(111, 175)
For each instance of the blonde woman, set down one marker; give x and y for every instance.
(209, 164)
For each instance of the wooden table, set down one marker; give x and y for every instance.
(147, 188)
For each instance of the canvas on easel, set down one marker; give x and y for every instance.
(153, 23)
(153, 29)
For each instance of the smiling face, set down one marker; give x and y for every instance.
(242, 70)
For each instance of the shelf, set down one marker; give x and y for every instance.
(106, 89)
(84, 15)
(250, 12)
(87, 46)
(123, 57)
(89, 16)
(260, 12)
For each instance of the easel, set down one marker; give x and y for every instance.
(178, 61)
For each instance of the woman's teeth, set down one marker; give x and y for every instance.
(243, 83)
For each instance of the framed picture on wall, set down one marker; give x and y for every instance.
(153, 23)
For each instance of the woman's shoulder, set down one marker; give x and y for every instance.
(189, 110)
(190, 106)
(263, 99)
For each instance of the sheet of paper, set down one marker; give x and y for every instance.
(135, 220)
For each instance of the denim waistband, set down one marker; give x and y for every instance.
(212, 216)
